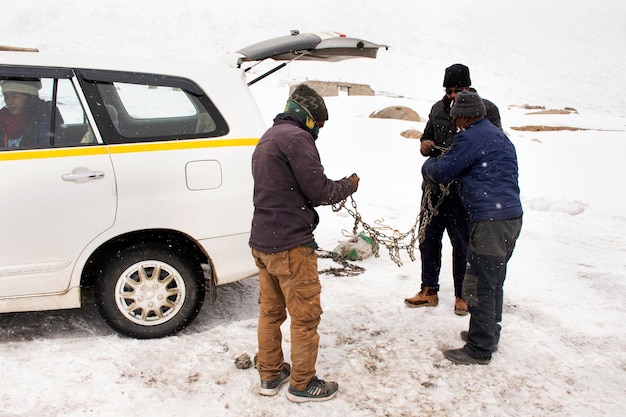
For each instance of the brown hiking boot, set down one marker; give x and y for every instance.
(425, 298)
(460, 307)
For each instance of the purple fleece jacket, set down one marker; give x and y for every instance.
(289, 181)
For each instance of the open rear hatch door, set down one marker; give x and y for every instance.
(327, 46)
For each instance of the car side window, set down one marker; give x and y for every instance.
(156, 111)
(144, 107)
(39, 112)
(75, 129)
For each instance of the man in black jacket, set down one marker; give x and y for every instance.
(442, 208)
(289, 181)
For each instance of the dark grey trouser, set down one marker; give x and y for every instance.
(490, 248)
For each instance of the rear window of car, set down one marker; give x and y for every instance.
(147, 107)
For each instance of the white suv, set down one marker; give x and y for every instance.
(139, 184)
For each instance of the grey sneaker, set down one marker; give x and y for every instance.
(317, 390)
(464, 338)
(271, 388)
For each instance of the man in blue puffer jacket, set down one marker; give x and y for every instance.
(441, 206)
(289, 181)
(484, 160)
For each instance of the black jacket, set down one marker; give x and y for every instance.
(440, 128)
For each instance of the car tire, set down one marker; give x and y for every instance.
(138, 304)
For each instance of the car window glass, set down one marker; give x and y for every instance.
(75, 129)
(67, 102)
(142, 112)
(144, 101)
(41, 113)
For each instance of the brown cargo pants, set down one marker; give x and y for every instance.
(288, 280)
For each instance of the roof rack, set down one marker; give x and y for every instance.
(17, 49)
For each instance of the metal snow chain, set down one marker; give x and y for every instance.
(347, 269)
(430, 208)
(394, 242)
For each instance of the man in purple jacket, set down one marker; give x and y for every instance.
(484, 160)
(289, 181)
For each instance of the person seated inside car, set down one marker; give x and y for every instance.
(25, 120)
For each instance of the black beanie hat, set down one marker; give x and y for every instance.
(309, 99)
(457, 75)
(467, 104)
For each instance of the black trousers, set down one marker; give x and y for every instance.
(453, 217)
(490, 248)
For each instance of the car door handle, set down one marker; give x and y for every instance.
(83, 176)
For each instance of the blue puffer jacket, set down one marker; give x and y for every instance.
(484, 160)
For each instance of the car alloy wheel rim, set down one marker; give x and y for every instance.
(150, 293)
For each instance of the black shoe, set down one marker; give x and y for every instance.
(317, 390)
(461, 357)
(271, 388)
(464, 338)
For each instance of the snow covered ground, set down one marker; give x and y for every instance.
(562, 351)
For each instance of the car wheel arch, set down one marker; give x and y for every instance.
(182, 243)
(97, 271)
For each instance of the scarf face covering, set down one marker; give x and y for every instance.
(303, 116)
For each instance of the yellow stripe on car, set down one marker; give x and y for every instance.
(125, 148)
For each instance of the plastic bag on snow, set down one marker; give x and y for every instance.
(357, 247)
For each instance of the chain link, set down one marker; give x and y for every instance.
(430, 208)
(347, 269)
(395, 242)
